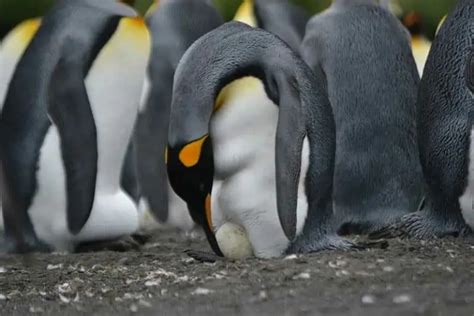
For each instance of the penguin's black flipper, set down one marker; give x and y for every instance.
(112, 7)
(284, 19)
(71, 112)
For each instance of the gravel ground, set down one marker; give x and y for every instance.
(403, 278)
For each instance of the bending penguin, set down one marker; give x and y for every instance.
(251, 145)
(280, 17)
(372, 81)
(64, 141)
(445, 132)
(172, 35)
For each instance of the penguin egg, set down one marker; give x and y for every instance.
(233, 241)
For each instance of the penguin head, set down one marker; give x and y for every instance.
(413, 22)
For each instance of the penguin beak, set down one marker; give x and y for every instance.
(190, 171)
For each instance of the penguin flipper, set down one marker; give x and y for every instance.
(71, 112)
(112, 7)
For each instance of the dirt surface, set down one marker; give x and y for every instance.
(406, 278)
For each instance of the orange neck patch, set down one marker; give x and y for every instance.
(191, 153)
(207, 206)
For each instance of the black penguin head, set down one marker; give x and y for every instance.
(413, 22)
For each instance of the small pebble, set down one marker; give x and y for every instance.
(133, 308)
(3, 270)
(368, 299)
(291, 257)
(152, 283)
(201, 291)
(144, 303)
(402, 299)
(35, 310)
(388, 269)
(2, 297)
(302, 276)
(54, 266)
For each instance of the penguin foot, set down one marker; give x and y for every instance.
(31, 246)
(422, 226)
(124, 244)
(369, 226)
(202, 256)
(327, 243)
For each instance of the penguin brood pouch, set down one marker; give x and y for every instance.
(251, 145)
(445, 133)
(372, 82)
(66, 122)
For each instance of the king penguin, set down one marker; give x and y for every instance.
(261, 163)
(372, 82)
(445, 133)
(171, 36)
(66, 122)
(280, 17)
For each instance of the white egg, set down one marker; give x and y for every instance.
(233, 241)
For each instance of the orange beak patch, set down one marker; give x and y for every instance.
(207, 206)
(191, 153)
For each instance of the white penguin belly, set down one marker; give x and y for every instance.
(466, 201)
(243, 133)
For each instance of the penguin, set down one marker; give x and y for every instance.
(445, 133)
(11, 50)
(66, 122)
(280, 17)
(171, 36)
(419, 43)
(251, 145)
(372, 80)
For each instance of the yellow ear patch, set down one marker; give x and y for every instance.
(246, 14)
(207, 207)
(152, 8)
(191, 153)
(441, 23)
(20, 37)
(235, 89)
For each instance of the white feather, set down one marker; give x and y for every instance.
(243, 132)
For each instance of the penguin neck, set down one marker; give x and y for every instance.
(347, 3)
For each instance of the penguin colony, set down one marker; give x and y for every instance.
(275, 133)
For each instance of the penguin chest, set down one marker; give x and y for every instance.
(466, 201)
(114, 85)
(243, 133)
